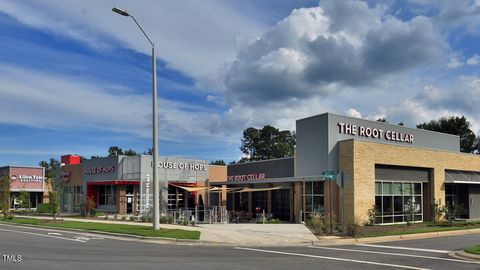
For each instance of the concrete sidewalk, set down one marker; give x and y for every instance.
(229, 234)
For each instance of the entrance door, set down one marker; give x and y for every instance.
(129, 204)
(474, 201)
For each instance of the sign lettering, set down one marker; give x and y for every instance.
(374, 133)
(247, 177)
(99, 169)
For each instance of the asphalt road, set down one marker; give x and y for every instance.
(31, 248)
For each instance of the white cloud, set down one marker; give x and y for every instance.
(50, 101)
(193, 37)
(316, 51)
(455, 62)
(435, 102)
(474, 60)
(353, 113)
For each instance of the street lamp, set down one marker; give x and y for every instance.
(156, 189)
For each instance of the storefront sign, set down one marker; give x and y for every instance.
(26, 178)
(147, 195)
(99, 169)
(374, 133)
(182, 166)
(247, 177)
(65, 175)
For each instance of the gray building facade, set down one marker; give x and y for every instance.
(318, 137)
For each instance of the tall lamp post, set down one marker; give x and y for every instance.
(156, 187)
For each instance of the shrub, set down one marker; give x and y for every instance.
(42, 208)
(124, 217)
(53, 205)
(90, 206)
(409, 212)
(437, 212)
(372, 215)
(353, 230)
(132, 218)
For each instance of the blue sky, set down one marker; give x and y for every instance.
(75, 77)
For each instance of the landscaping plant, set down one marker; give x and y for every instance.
(5, 195)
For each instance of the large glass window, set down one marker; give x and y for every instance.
(313, 197)
(281, 204)
(107, 195)
(397, 202)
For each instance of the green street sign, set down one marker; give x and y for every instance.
(329, 174)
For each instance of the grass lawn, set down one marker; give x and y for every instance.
(473, 249)
(112, 228)
(424, 227)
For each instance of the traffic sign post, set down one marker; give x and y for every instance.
(330, 175)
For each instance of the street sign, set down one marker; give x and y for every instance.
(330, 174)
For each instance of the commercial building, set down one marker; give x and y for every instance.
(123, 184)
(26, 179)
(394, 169)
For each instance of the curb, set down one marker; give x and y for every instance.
(399, 237)
(462, 255)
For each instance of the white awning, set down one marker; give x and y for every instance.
(462, 177)
(258, 189)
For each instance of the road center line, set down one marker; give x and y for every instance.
(395, 254)
(44, 235)
(332, 258)
(406, 248)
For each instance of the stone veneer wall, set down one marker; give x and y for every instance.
(358, 159)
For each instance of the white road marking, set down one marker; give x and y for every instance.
(54, 233)
(82, 238)
(332, 258)
(396, 254)
(44, 235)
(406, 248)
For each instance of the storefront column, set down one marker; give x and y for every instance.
(135, 199)
(121, 195)
(335, 200)
(297, 202)
(224, 195)
(250, 202)
(437, 186)
(269, 199)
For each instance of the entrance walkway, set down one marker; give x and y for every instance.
(256, 234)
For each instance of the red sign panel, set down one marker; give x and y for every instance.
(22, 178)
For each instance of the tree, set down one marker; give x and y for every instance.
(114, 151)
(52, 174)
(53, 204)
(457, 126)
(4, 195)
(148, 152)
(218, 162)
(267, 143)
(130, 152)
(24, 199)
(382, 119)
(51, 168)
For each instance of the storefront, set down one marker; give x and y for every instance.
(396, 171)
(123, 184)
(25, 179)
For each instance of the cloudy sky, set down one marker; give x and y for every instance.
(76, 77)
